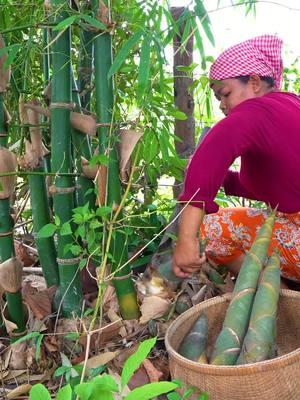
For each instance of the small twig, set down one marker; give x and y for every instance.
(111, 276)
(26, 198)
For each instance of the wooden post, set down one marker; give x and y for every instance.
(183, 97)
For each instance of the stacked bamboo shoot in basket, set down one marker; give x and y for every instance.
(248, 334)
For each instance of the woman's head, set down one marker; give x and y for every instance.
(233, 91)
(246, 70)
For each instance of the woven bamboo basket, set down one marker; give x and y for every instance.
(274, 379)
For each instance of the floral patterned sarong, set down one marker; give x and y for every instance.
(231, 232)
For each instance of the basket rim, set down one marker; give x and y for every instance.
(253, 368)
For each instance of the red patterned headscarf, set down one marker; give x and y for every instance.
(260, 56)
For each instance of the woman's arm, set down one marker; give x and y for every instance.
(186, 257)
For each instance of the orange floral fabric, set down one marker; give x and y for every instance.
(231, 232)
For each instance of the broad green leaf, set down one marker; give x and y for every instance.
(203, 396)
(57, 220)
(144, 67)
(27, 337)
(151, 390)
(93, 21)
(204, 20)
(187, 393)
(61, 370)
(65, 229)
(84, 390)
(47, 231)
(65, 23)
(82, 263)
(65, 361)
(12, 52)
(178, 115)
(99, 159)
(134, 361)
(123, 53)
(174, 396)
(103, 395)
(105, 382)
(39, 392)
(103, 210)
(65, 393)
(75, 250)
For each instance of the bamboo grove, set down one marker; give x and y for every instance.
(86, 120)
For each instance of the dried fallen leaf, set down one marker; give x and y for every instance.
(14, 375)
(39, 302)
(128, 141)
(103, 335)
(18, 391)
(139, 378)
(100, 359)
(9, 325)
(18, 356)
(22, 253)
(113, 316)
(153, 307)
(117, 379)
(153, 373)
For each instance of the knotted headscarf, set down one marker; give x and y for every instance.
(260, 56)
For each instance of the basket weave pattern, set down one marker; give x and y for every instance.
(274, 379)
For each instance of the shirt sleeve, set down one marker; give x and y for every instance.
(208, 167)
(233, 186)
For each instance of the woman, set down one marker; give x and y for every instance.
(262, 126)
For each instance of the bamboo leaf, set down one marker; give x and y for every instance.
(93, 21)
(151, 390)
(204, 20)
(123, 53)
(134, 361)
(38, 346)
(62, 25)
(178, 115)
(27, 337)
(144, 67)
(199, 43)
(185, 35)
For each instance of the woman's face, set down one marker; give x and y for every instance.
(231, 92)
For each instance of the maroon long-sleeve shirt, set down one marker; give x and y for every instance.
(265, 133)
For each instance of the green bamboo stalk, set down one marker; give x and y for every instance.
(46, 73)
(15, 310)
(85, 68)
(63, 198)
(259, 342)
(81, 147)
(104, 105)
(230, 340)
(41, 216)
(7, 249)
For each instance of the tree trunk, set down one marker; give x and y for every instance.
(183, 56)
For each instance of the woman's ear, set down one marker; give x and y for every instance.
(256, 83)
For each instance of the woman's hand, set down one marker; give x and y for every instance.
(186, 257)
